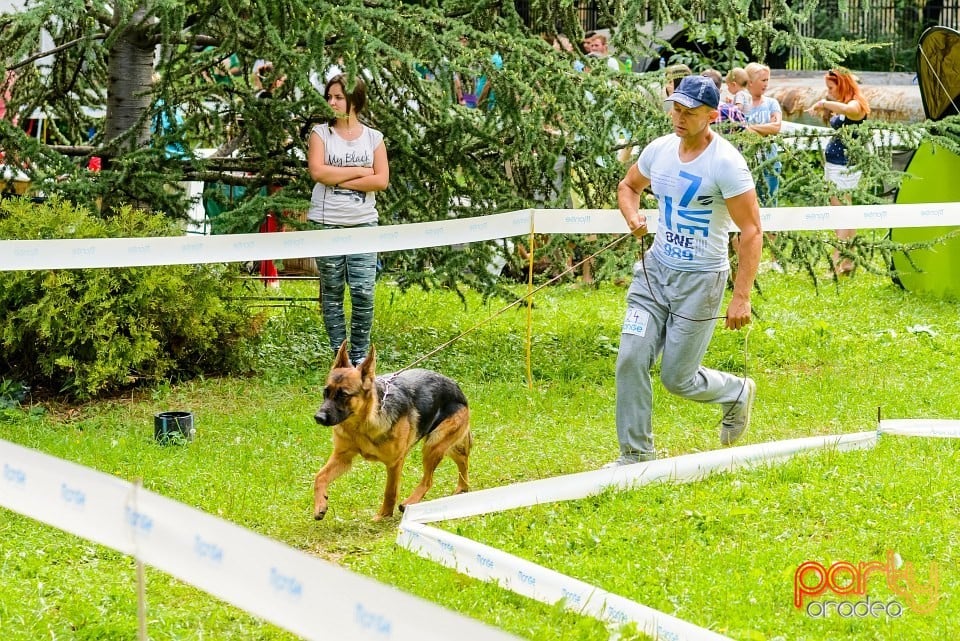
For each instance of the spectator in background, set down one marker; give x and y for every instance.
(763, 116)
(672, 76)
(265, 81)
(734, 90)
(595, 44)
(226, 71)
(844, 106)
(477, 91)
(348, 162)
(727, 112)
(715, 76)
(561, 42)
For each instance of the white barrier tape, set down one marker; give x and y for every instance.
(542, 584)
(186, 250)
(680, 469)
(804, 136)
(586, 221)
(882, 216)
(301, 593)
(609, 221)
(535, 581)
(18, 255)
(942, 428)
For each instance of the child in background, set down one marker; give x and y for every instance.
(734, 90)
(728, 111)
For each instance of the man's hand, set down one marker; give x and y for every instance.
(738, 313)
(637, 223)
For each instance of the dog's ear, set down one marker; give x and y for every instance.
(342, 359)
(369, 365)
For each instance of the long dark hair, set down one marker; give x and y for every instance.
(356, 98)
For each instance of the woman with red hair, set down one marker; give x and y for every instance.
(844, 106)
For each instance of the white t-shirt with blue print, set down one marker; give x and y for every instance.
(694, 221)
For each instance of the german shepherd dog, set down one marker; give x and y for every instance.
(382, 418)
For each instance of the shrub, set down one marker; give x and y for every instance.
(87, 332)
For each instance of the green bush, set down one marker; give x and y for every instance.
(87, 332)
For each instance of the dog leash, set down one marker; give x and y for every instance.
(746, 336)
(528, 295)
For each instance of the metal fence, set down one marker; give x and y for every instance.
(898, 22)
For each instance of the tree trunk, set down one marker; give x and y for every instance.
(129, 93)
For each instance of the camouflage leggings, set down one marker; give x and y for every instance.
(359, 272)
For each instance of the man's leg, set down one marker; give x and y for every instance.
(641, 341)
(698, 297)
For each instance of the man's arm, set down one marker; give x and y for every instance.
(745, 212)
(628, 199)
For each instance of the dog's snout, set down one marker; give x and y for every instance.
(327, 415)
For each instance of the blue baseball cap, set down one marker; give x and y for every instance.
(694, 91)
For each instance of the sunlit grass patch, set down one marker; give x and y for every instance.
(824, 363)
(723, 552)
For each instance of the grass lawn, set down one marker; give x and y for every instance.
(721, 553)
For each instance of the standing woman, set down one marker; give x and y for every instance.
(763, 116)
(844, 106)
(348, 162)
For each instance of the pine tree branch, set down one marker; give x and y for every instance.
(49, 52)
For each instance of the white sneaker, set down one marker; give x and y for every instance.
(623, 459)
(736, 415)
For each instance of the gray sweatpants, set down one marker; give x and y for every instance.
(651, 330)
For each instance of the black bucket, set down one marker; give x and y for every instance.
(173, 427)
